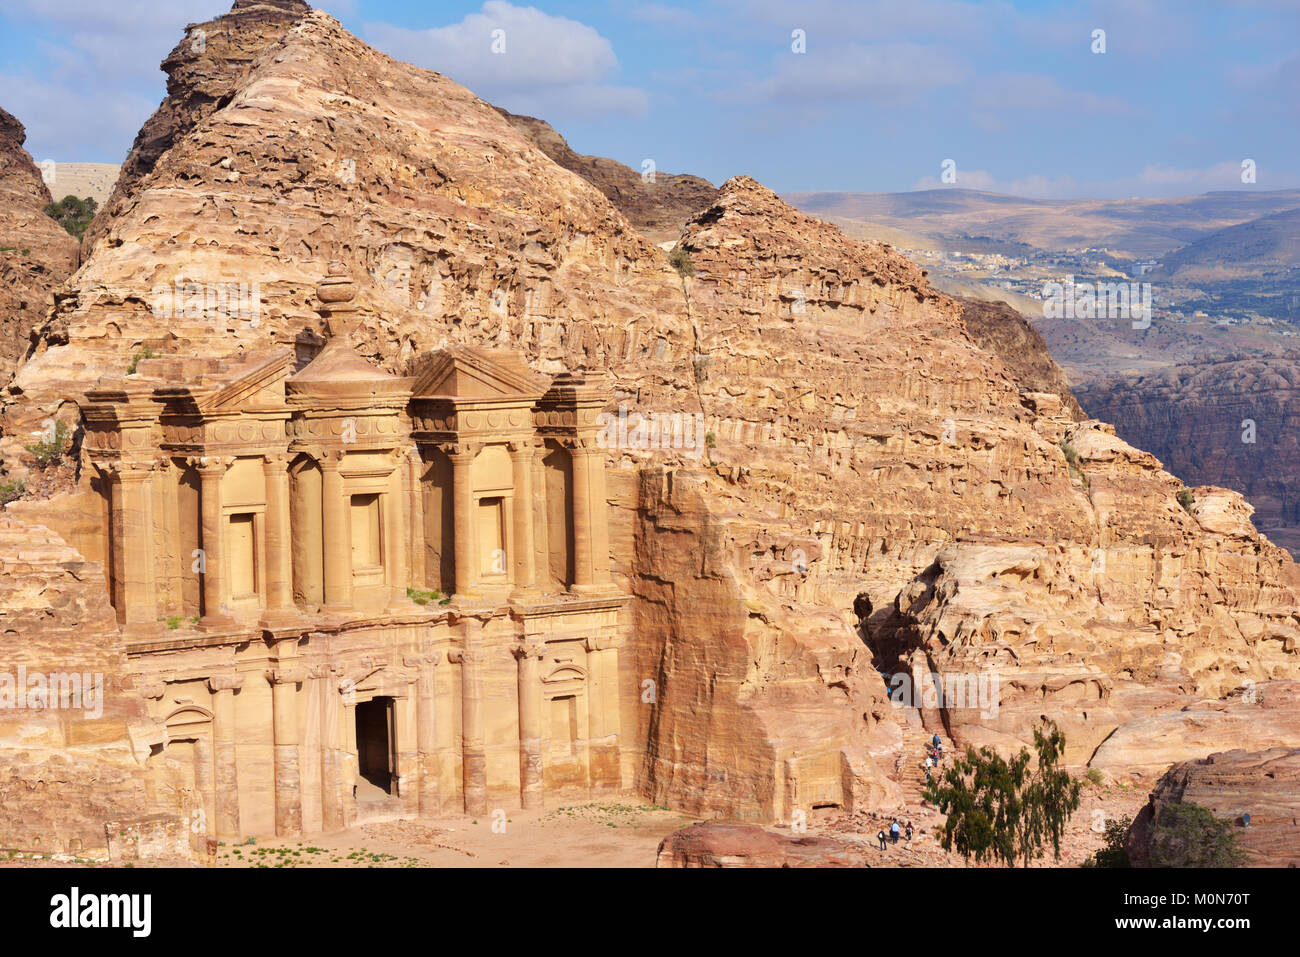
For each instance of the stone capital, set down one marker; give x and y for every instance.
(285, 675)
(529, 648)
(211, 464)
(229, 682)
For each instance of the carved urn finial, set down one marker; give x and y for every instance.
(337, 294)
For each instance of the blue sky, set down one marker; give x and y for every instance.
(885, 92)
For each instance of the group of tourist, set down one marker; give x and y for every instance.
(894, 830)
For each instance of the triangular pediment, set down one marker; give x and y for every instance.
(256, 382)
(469, 373)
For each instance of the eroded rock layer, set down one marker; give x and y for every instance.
(1262, 784)
(36, 254)
(867, 488)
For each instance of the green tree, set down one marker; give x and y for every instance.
(1112, 853)
(73, 214)
(1188, 835)
(1004, 810)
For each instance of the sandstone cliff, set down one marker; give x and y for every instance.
(74, 737)
(36, 254)
(1263, 784)
(658, 207)
(1229, 421)
(998, 328)
(877, 491)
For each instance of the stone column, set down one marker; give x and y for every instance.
(397, 528)
(211, 472)
(225, 769)
(529, 654)
(465, 528)
(331, 757)
(584, 572)
(426, 732)
(525, 572)
(279, 542)
(134, 545)
(473, 759)
(336, 534)
(415, 506)
(204, 783)
(605, 767)
(405, 749)
(288, 780)
(599, 516)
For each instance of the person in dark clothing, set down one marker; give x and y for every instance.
(881, 837)
(909, 830)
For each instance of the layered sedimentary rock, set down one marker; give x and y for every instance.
(1257, 717)
(1229, 421)
(1263, 784)
(74, 737)
(656, 203)
(998, 328)
(36, 254)
(747, 845)
(816, 471)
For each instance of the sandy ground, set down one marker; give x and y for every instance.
(583, 835)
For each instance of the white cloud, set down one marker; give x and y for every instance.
(1152, 181)
(896, 73)
(547, 64)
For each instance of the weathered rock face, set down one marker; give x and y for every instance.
(865, 488)
(1259, 717)
(747, 845)
(658, 207)
(1264, 784)
(74, 741)
(1097, 631)
(1228, 421)
(998, 328)
(36, 253)
(202, 72)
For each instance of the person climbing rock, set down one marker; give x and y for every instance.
(881, 837)
(909, 831)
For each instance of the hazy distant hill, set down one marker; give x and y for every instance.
(83, 179)
(1248, 248)
(1140, 228)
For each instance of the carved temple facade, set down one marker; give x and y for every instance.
(344, 591)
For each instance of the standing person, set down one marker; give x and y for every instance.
(881, 837)
(909, 832)
(893, 831)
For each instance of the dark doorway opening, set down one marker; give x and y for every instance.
(375, 758)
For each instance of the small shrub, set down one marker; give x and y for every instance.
(681, 261)
(1112, 853)
(51, 451)
(1094, 775)
(145, 353)
(1188, 835)
(12, 491)
(1185, 500)
(422, 597)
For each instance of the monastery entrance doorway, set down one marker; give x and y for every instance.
(376, 758)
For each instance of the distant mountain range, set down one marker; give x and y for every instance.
(1136, 228)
